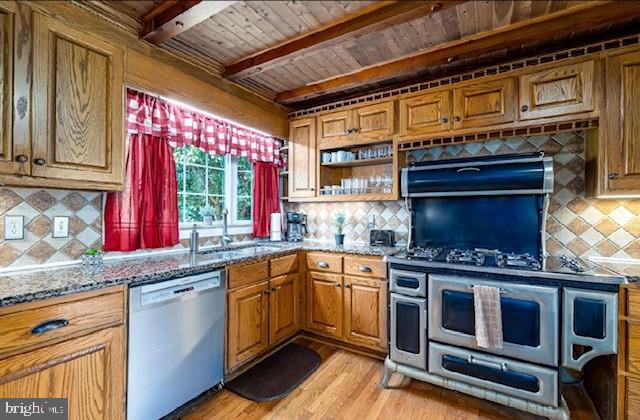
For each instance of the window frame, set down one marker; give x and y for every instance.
(230, 196)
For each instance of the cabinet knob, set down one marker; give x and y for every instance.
(458, 118)
(613, 175)
(275, 288)
(338, 285)
(347, 286)
(39, 161)
(445, 120)
(355, 130)
(524, 108)
(266, 292)
(21, 158)
(364, 269)
(323, 264)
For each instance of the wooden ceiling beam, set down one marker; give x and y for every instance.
(576, 18)
(375, 17)
(171, 18)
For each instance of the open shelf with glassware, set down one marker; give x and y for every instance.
(365, 172)
(284, 171)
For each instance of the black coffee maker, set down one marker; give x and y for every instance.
(296, 226)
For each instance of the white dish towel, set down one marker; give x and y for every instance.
(486, 302)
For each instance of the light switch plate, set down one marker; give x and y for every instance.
(13, 227)
(60, 227)
(372, 221)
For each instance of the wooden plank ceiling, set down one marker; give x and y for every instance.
(302, 53)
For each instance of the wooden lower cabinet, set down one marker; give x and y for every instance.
(248, 332)
(365, 306)
(89, 371)
(324, 303)
(282, 306)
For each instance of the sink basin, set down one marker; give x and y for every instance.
(239, 251)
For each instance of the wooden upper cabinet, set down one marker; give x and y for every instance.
(302, 158)
(366, 311)
(622, 125)
(484, 103)
(425, 113)
(561, 90)
(334, 127)
(282, 306)
(248, 316)
(324, 303)
(78, 105)
(374, 122)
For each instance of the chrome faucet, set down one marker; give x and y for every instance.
(193, 243)
(226, 239)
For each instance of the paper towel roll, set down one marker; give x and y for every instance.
(276, 227)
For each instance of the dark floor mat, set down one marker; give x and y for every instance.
(277, 375)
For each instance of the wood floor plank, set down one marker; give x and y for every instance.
(346, 386)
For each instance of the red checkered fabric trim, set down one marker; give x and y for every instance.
(147, 114)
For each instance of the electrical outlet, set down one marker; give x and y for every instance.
(372, 221)
(60, 227)
(13, 227)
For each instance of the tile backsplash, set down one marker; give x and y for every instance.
(576, 225)
(39, 207)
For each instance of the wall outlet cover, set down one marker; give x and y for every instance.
(60, 227)
(13, 227)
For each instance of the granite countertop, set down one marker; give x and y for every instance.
(25, 286)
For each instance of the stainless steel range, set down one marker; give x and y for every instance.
(481, 222)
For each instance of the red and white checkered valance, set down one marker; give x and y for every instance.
(147, 114)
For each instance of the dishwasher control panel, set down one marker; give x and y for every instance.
(172, 289)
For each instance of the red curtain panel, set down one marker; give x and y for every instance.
(265, 197)
(145, 214)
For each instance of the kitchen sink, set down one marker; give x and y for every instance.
(230, 252)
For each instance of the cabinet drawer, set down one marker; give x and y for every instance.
(284, 265)
(633, 302)
(633, 348)
(243, 274)
(322, 261)
(24, 330)
(365, 266)
(633, 398)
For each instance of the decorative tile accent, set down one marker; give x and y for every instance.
(39, 207)
(576, 225)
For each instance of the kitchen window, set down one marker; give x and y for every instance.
(217, 181)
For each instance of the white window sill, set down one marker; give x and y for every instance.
(215, 230)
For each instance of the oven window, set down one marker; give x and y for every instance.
(408, 327)
(520, 318)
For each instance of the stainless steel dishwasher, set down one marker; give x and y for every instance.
(176, 343)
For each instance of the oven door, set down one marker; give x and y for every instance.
(530, 317)
(408, 330)
(409, 283)
(522, 380)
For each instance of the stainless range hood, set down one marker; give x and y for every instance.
(493, 175)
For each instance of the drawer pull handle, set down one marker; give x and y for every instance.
(502, 291)
(275, 288)
(347, 286)
(364, 269)
(323, 264)
(338, 285)
(486, 363)
(51, 325)
(39, 161)
(21, 158)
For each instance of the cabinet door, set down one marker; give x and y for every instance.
(374, 122)
(622, 122)
(283, 307)
(366, 311)
(558, 91)
(78, 105)
(302, 158)
(485, 103)
(324, 303)
(248, 329)
(426, 113)
(89, 371)
(334, 127)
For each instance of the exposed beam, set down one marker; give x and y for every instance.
(170, 18)
(576, 18)
(375, 17)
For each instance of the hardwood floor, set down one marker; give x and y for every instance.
(346, 386)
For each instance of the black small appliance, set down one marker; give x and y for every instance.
(296, 226)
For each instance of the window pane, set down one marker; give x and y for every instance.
(244, 164)
(190, 155)
(216, 161)
(244, 183)
(181, 207)
(216, 181)
(244, 208)
(195, 179)
(194, 204)
(218, 204)
(180, 177)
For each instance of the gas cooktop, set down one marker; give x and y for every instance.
(480, 257)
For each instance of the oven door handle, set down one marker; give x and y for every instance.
(487, 363)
